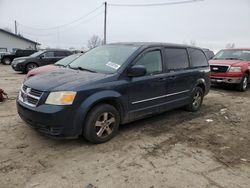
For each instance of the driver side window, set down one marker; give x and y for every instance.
(152, 61)
(48, 54)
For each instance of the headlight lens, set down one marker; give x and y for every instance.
(61, 98)
(235, 69)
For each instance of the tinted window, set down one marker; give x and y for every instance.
(60, 53)
(152, 62)
(197, 58)
(177, 58)
(48, 54)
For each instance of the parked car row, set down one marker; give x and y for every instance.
(111, 85)
(41, 58)
(91, 94)
(8, 58)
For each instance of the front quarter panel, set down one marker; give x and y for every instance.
(92, 100)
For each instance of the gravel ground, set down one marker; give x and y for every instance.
(209, 148)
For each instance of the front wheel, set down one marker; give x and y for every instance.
(243, 84)
(30, 66)
(196, 100)
(6, 61)
(101, 124)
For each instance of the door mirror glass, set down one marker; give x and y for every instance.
(137, 70)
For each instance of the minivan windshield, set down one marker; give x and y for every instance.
(36, 54)
(104, 59)
(233, 55)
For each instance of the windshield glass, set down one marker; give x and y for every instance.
(67, 60)
(233, 54)
(104, 59)
(36, 54)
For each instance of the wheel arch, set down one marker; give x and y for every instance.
(202, 84)
(104, 97)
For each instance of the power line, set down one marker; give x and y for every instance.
(63, 25)
(60, 31)
(154, 4)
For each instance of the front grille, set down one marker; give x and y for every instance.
(219, 68)
(30, 96)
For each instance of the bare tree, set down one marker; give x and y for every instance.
(94, 41)
(230, 45)
(193, 43)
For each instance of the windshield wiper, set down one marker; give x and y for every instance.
(81, 69)
(59, 65)
(235, 58)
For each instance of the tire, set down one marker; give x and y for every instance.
(30, 66)
(102, 124)
(196, 100)
(243, 84)
(6, 61)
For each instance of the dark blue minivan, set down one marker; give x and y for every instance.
(114, 84)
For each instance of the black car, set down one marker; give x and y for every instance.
(114, 84)
(7, 59)
(41, 58)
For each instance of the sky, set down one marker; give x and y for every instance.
(209, 23)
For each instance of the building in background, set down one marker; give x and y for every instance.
(10, 42)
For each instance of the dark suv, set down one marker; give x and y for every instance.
(114, 84)
(41, 58)
(7, 59)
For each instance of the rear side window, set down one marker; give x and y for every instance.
(177, 58)
(197, 58)
(60, 53)
(49, 54)
(152, 62)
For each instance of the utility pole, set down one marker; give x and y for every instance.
(15, 27)
(105, 23)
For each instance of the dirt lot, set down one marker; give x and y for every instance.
(210, 148)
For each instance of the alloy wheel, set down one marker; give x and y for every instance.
(197, 99)
(244, 84)
(105, 124)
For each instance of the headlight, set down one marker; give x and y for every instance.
(235, 69)
(61, 98)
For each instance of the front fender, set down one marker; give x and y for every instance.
(89, 102)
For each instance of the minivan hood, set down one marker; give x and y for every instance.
(62, 79)
(228, 62)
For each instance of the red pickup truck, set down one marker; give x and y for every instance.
(231, 66)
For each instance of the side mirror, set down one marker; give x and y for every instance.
(41, 56)
(137, 70)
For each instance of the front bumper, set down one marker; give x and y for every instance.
(54, 121)
(17, 67)
(227, 80)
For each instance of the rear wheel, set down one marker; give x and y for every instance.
(196, 100)
(6, 61)
(30, 66)
(101, 124)
(243, 84)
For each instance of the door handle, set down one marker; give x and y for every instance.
(172, 77)
(162, 79)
